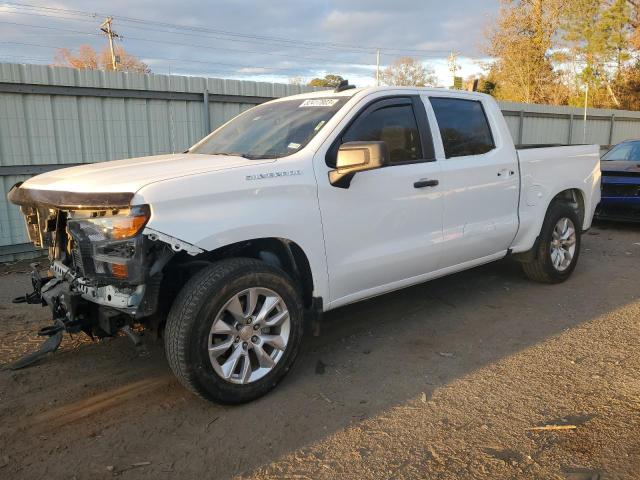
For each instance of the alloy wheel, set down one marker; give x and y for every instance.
(563, 244)
(249, 335)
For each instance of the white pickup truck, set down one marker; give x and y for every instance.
(298, 206)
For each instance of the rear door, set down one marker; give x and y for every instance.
(480, 180)
(386, 228)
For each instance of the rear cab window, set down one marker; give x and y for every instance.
(463, 125)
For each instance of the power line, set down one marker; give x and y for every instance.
(175, 60)
(389, 51)
(156, 29)
(22, 57)
(199, 34)
(236, 35)
(233, 72)
(47, 27)
(193, 45)
(174, 29)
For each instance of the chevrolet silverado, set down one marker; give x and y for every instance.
(295, 207)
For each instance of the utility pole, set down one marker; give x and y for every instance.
(377, 67)
(106, 28)
(584, 121)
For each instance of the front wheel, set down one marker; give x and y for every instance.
(234, 330)
(558, 247)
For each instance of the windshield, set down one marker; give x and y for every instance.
(628, 151)
(271, 130)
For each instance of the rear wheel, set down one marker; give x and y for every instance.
(234, 330)
(558, 247)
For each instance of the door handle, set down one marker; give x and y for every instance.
(426, 183)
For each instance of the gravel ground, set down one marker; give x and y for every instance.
(445, 380)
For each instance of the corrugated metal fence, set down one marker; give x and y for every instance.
(52, 117)
(536, 124)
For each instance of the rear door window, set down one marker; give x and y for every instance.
(464, 127)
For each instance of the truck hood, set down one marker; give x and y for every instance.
(132, 174)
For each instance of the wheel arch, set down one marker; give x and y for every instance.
(574, 197)
(282, 253)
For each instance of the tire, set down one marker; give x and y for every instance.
(217, 299)
(542, 268)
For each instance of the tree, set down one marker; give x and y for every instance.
(627, 87)
(618, 29)
(552, 51)
(485, 84)
(329, 80)
(585, 37)
(408, 72)
(521, 43)
(635, 22)
(88, 58)
(598, 36)
(85, 58)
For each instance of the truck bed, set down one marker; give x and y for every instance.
(545, 171)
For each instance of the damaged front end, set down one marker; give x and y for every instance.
(106, 265)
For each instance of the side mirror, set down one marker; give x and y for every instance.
(356, 157)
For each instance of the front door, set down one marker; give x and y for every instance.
(386, 228)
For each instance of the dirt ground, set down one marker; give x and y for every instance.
(444, 380)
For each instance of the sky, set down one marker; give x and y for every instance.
(274, 40)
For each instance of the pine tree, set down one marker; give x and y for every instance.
(597, 34)
(617, 27)
(521, 42)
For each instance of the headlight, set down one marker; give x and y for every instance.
(109, 244)
(117, 225)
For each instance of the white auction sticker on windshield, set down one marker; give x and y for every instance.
(319, 102)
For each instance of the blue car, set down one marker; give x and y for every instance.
(621, 183)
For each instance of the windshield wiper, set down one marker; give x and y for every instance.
(237, 154)
(226, 154)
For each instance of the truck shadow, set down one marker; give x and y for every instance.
(369, 357)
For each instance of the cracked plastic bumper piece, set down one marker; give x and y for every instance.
(124, 299)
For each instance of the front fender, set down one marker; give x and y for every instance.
(211, 211)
